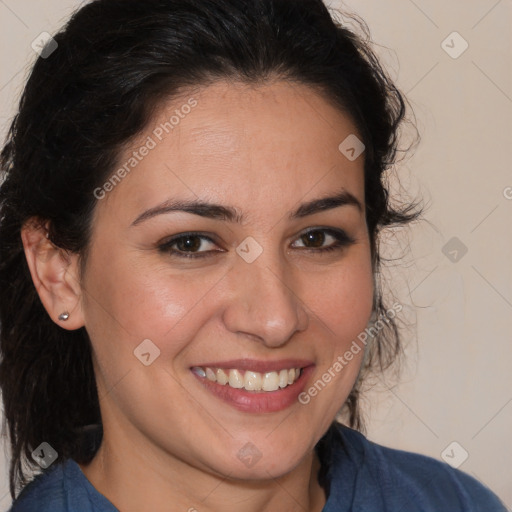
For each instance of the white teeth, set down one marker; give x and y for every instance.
(236, 379)
(222, 378)
(283, 378)
(252, 381)
(270, 381)
(199, 371)
(249, 380)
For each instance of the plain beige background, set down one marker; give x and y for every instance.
(457, 382)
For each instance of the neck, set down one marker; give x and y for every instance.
(147, 480)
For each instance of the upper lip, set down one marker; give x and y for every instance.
(257, 365)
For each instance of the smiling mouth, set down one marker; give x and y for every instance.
(250, 380)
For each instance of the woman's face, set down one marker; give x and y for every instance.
(256, 295)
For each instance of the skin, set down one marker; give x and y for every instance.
(169, 444)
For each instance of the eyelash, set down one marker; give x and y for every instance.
(342, 240)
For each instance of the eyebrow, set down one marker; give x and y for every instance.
(231, 214)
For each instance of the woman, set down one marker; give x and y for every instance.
(190, 215)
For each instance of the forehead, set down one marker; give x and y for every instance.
(260, 143)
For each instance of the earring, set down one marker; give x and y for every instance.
(64, 316)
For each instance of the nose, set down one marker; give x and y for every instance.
(263, 304)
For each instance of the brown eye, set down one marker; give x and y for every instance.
(188, 245)
(315, 239)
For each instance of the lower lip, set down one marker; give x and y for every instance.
(258, 402)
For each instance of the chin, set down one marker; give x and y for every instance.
(264, 458)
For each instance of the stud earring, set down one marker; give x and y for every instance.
(64, 316)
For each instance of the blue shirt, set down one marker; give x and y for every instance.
(358, 475)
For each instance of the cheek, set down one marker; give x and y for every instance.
(343, 298)
(342, 306)
(159, 303)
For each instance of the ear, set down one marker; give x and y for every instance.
(54, 272)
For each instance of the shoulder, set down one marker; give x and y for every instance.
(45, 492)
(398, 479)
(61, 488)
